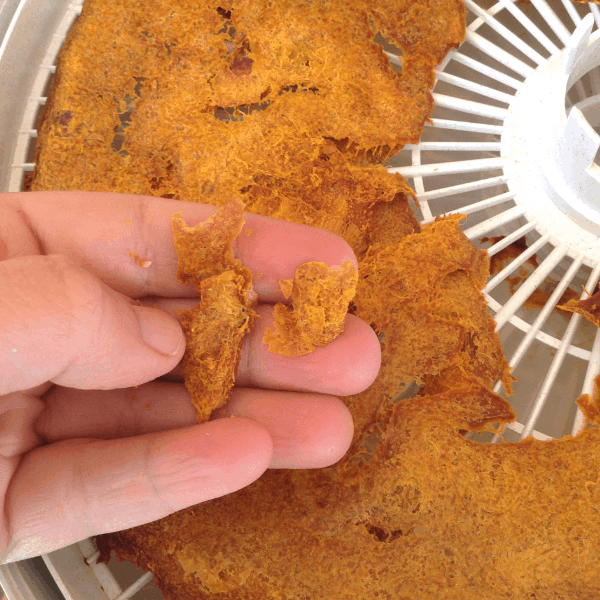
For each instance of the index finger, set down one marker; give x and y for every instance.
(127, 241)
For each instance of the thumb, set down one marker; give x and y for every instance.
(59, 323)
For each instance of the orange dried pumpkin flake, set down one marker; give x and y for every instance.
(320, 298)
(214, 328)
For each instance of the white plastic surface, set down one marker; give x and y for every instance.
(32, 38)
(555, 176)
(76, 579)
(22, 581)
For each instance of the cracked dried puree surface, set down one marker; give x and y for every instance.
(427, 514)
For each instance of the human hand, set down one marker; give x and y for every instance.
(87, 445)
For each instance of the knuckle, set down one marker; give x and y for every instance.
(44, 289)
(50, 309)
(67, 286)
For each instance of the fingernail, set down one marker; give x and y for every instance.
(160, 331)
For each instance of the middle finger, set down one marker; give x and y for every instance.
(308, 430)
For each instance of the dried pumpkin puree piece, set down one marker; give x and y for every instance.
(215, 328)
(423, 518)
(208, 102)
(480, 359)
(195, 100)
(214, 331)
(320, 298)
(391, 222)
(412, 292)
(206, 249)
(440, 334)
(401, 269)
(589, 308)
(286, 286)
(331, 194)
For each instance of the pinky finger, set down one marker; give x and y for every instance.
(71, 490)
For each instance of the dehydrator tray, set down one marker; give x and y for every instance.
(512, 143)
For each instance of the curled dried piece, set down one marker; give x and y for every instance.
(215, 328)
(214, 331)
(480, 358)
(205, 249)
(439, 318)
(417, 263)
(588, 308)
(320, 298)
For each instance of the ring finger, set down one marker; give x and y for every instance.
(308, 430)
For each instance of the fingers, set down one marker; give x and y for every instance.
(68, 491)
(59, 323)
(347, 365)
(308, 430)
(153, 407)
(105, 231)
